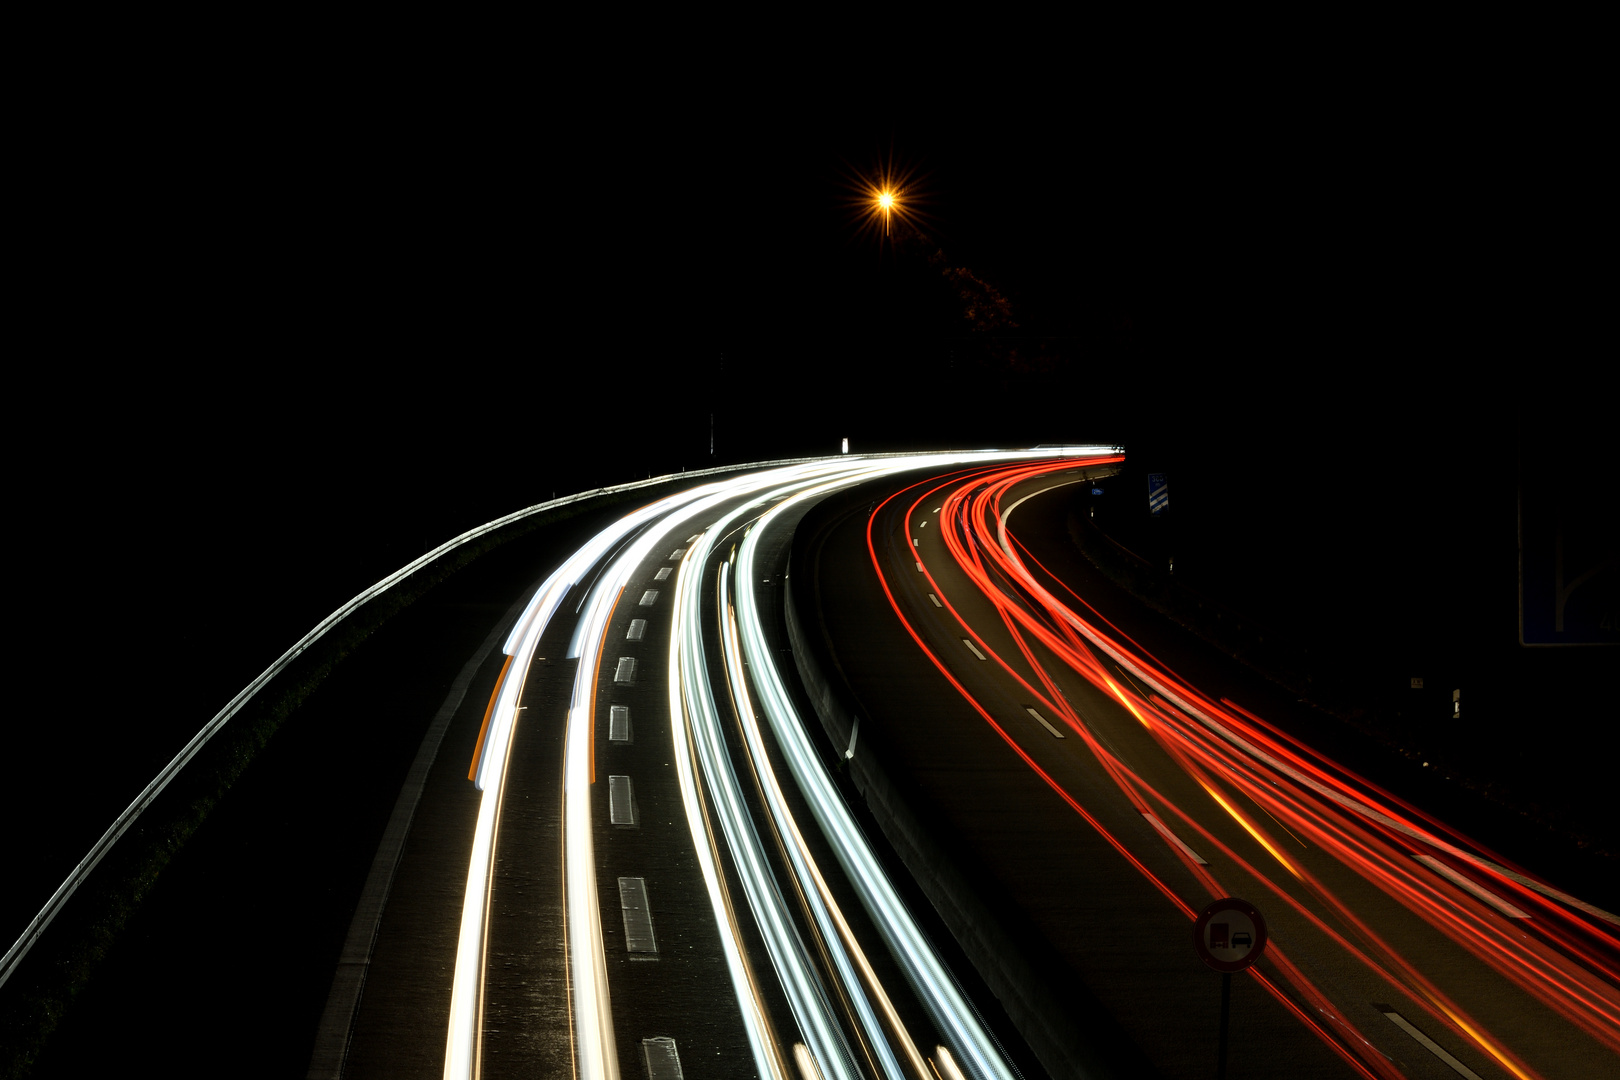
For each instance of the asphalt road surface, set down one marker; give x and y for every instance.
(1104, 801)
(642, 860)
(843, 769)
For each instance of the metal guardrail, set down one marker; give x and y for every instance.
(64, 892)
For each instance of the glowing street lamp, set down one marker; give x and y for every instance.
(878, 197)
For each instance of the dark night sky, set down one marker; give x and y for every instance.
(291, 336)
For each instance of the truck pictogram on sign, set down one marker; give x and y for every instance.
(1229, 934)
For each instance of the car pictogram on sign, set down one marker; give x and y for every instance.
(1229, 934)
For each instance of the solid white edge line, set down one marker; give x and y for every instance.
(1007, 512)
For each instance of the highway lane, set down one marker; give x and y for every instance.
(1108, 838)
(693, 875)
(821, 993)
(798, 954)
(237, 941)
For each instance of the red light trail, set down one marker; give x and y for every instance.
(1563, 953)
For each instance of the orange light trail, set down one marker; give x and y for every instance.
(489, 710)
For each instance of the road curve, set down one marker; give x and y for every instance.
(1110, 801)
(720, 864)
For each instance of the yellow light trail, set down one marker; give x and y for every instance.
(1124, 699)
(1250, 829)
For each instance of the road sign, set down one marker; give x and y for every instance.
(1158, 493)
(1229, 935)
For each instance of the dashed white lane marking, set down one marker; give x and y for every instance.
(935, 599)
(619, 801)
(1463, 883)
(625, 673)
(972, 648)
(662, 1060)
(663, 573)
(637, 631)
(649, 598)
(638, 927)
(1427, 1043)
(1056, 734)
(1174, 839)
(1544, 890)
(619, 723)
(919, 568)
(913, 541)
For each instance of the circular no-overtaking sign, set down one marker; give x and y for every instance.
(1229, 935)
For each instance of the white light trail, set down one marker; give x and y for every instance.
(934, 986)
(595, 1056)
(767, 1059)
(807, 997)
(595, 1051)
(835, 930)
(462, 1039)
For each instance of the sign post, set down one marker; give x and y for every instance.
(1228, 935)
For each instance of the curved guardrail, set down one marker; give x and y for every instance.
(64, 892)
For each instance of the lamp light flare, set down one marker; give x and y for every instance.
(887, 192)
